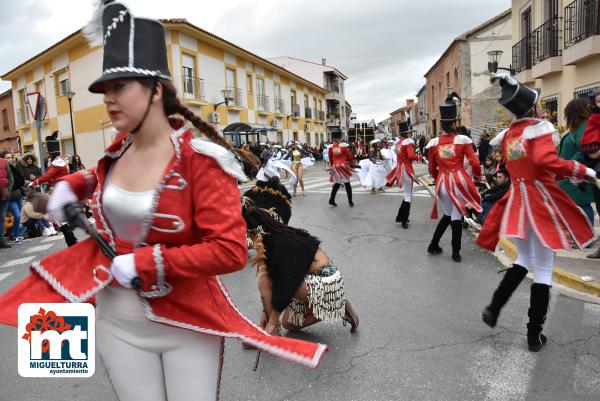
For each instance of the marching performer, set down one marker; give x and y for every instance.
(167, 203)
(404, 174)
(454, 188)
(340, 173)
(536, 214)
(298, 283)
(300, 159)
(372, 170)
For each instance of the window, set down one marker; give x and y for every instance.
(277, 98)
(293, 98)
(433, 97)
(447, 80)
(230, 78)
(63, 83)
(550, 103)
(189, 75)
(5, 119)
(40, 87)
(456, 84)
(249, 84)
(582, 93)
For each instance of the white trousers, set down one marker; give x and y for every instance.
(449, 208)
(407, 186)
(150, 361)
(535, 257)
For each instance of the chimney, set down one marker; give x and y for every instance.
(410, 102)
(324, 61)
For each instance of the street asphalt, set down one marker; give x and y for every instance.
(420, 335)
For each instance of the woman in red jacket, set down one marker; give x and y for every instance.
(536, 214)
(453, 186)
(404, 174)
(168, 204)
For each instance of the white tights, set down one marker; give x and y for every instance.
(150, 361)
(407, 185)
(535, 257)
(449, 208)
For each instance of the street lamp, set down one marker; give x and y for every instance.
(70, 96)
(494, 55)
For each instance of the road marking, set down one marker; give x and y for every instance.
(16, 262)
(5, 275)
(39, 248)
(52, 238)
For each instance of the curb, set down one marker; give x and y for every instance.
(559, 274)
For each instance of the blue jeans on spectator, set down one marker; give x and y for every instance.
(486, 206)
(15, 208)
(589, 212)
(3, 208)
(31, 224)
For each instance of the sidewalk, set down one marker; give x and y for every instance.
(571, 268)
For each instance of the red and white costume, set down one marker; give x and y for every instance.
(404, 174)
(194, 233)
(341, 160)
(446, 165)
(535, 205)
(57, 170)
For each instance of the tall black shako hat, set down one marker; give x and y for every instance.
(133, 47)
(515, 96)
(449, 109)
(336, 133)
(404, 128)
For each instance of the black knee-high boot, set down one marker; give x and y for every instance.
(511, 280)
(67, 231)
(334, 190)
(456, 239)
(434, 246)
(349, 193)
(538, 307)
(403, 213)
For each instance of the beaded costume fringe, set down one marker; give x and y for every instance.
(325, 297)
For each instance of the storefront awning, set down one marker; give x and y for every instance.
(247, 128)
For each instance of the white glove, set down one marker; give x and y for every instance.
(61, 195)
(590, 172)
(505, 77)
(123, 269)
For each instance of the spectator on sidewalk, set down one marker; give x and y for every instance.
(76, 165)
(15, 201)
(29, 168)
(489, 168)
(484, 147)
(6, 183)
(576, 115)
(32, 220)
(495, 193)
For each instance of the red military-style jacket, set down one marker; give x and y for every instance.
(534, 198)
(58, 169)
(194, 233)
(341, 160)
(447, 166)
(405, 149)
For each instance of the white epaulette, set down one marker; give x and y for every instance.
(224, 157)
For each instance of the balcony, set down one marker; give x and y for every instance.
(333, 120)
(295, 110)
(279, 106)
(582, 31)
(308, 113)
(262, 104)
(22, 117)
(193, 89)
(233, 96)
(545, 43)
(521, 59)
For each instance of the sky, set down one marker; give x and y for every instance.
(384, 47)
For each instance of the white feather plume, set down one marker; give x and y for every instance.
(93, 30)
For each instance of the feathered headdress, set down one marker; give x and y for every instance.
(93, 30)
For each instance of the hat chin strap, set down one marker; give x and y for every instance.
(137, 128)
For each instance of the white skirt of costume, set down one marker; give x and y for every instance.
(372, 174)
(272, 170)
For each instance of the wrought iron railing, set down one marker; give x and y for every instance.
(262, 103)
(21, 115)
(234, 96)
(582, 20)
(295, 109)
(521, 55)
(584, 93)
(279, 106)
(321, 115)
(545, 40)
(193, 88)
(308, 112)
